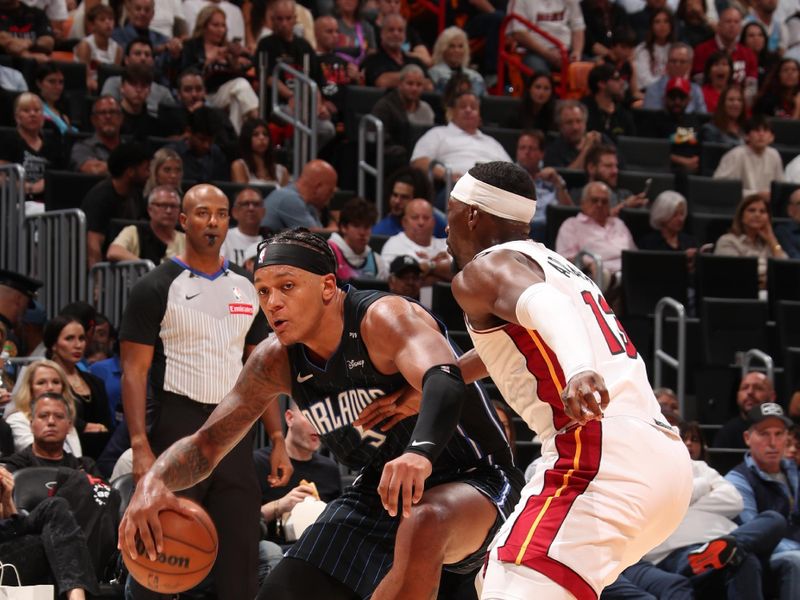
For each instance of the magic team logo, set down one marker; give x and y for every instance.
(336, 412)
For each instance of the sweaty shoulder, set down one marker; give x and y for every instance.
(391, 314)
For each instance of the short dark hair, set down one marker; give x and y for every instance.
(202, 122)
(757, 122)
(506, 176)
(52, 396)
(623, 36)
(594, 155)
(536, 134)
(600, 73)
(188, 72)
(126, 156)
(412, 176)
(46, 68)
(358, 211)
(138, 40)
(137, 74)
(52, 329)
(83, 311)
(101, 10)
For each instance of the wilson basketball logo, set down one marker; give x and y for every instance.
(182, 562)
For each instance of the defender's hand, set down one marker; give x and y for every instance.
(579, 398)
(398, 405)
(404, 475)
(280, 464)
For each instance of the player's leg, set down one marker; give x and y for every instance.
(451, 522)
(295, 579)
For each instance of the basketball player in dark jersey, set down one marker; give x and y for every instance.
(433, 489)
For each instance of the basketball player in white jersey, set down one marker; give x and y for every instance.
(614, 479)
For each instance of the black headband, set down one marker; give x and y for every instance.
(295, 255)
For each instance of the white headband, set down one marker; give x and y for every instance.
(493, 200)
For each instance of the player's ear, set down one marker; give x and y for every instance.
(328, 283)
(472, 217)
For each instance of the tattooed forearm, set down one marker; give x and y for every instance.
(183, 465)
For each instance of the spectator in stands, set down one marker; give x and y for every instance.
(257, 165)
(458, 145)
(56, 13)
(754, 389)
(650, 57)
(620, 56)
(166, 168)
(398, 110)
(350, 245)
(602, 164)
(717, 75)
(560, 18)
(140, 14)
(606, 112)
(139, 51)
(708, 545)
(763, 12)
(223, 64)
(679, 64)
(310, 467)
(538, 106)
(90, 155)
(550, 186)
(595, 230)
(756, 162)
(727, 123)
(157, 239)
(52, 417)
(752, 235)
(98, 48)
(46, 545)
(754, 37)
(29, 147)
(17, 292)
(401, 186)
(694, 27)
(25, 31)
(248, 210)
(134, 90)
(37, 378)
(602, 19)
(382, 69)
(338, 68)
(792, 451)
(668, 401)
(667, 218)
(570, 148)
(299, 204)
(283, 46)
(65, 342)
(417, 240)
(414, 44)
(680, 128)
(50, 83)
(202, 159)
(405, 276)
(117, 197)
(692, 436)
(769, 482)
(451, 55)
(788, 234)
(743, 59)
(356, 34)
(234, 19)
(779, 93)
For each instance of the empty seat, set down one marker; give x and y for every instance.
(445, 307)
(714, 196)
(723, 460)
(787, 131)
(376, 242)
(574, 178)
(783, 281)
(358, 102)
(637, 220)
(104, 71)
(648, 276)
(556, 215)
(506, 137)
(708, 228)
(635, 181)
(710, 155)
(64, 189)
(731, 325)
(496, 109)
(650, 154)
(787, 321)
(726, 276)
(74, 75)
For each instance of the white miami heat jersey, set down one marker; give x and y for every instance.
(527, 371)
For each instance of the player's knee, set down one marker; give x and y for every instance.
(427, 521)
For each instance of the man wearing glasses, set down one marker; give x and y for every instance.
(248, 210)
(91, 155)
(157, 239)
(679, 64)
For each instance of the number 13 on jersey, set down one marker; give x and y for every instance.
(618, 342)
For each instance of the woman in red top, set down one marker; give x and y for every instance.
(716, 77)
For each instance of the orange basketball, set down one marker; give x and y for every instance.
(190, 548)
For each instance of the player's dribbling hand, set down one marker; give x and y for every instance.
(579, 398)
(398, 405)
(149, 499)
(404, 475)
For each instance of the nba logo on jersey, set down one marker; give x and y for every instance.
(237, 293)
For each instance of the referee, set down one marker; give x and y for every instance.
(189, 323)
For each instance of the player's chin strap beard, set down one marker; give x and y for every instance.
(493, 200)
(293, 255)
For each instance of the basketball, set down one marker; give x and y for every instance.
(190, 548)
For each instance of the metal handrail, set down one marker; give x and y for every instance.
(303, 119)
(364, 168)
(756, 354)
(599, 277)
(110, 285)
(12, 217)
(660, 355)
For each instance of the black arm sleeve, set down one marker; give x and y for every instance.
(443, 393)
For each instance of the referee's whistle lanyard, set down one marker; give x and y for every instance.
(359, 44)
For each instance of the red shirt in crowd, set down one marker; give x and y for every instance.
(745, 64)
